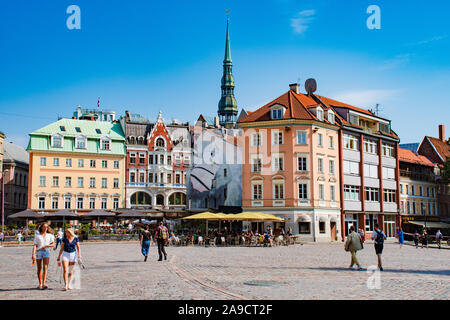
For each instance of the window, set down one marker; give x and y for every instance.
(321, 227)
(116, 164)
(41, 201)
(321, 192)
(351, 192)
(68, 162)
(278, 162)
(161, 159)
(68, 181)
(330, 116)
(104, 183)
(116, 183)
(320, 114)
(389, 195)
(140, 198)
(301, 137)
(371, 171)
(160, 143)
(420, 191)
(353, 119)
(388, 150)
(80, 163)
(104, 203)
(388, 173)
(256, 139)
(57, 141)
(115, 203)
(62, 128)
(132, 176)
(169, 160)
(371, 220)
(372, 194)
(278, 190)
(43, 161)
(413, 190)
(78, 129)
(332, 193)
(351, 167)
(79, 203)
(257, 191)
(142, 176)
(177, 178)
(67, 203)
(304, 227)
(169, 178)
(55, 181)
(350, 142)
(303, 191)
(370, 146)
(81, 142)
(104, 164)
(276, 113)
(331, 142)
(428, 191)
(320, 140)
(56, 162)
(42, 181)
(55, 203)
(105, 143)
(91, 203)
(80, 182)
(92, 162)
(414, 207)
(384, 127)
(277, 138)
(256, 164)
(141, 158)
(92, 183)
(98, 131)
(407, 189)
(331, 165)
(225, 172)
(320, 165)
(302, 163)
(132, 158)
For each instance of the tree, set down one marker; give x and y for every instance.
(446, 171)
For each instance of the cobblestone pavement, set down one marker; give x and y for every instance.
(309, 271)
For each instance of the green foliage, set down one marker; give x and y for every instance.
(85, 227)
(94, 232)
(31, 226)
(446, 171)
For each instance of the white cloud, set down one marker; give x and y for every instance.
(301, 23)
(426, 41)
(366, 98)
(397, 61)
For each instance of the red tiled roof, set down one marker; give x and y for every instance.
(295, 105)
(442, 147)
(338, 104)
(406, 155)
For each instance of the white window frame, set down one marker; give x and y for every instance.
(104, 140)
(276, 162)
(320, 139)
(370, 146)
(305, 133)
(350, 142)
(276, 111)
(280, 194)
(259, 185)
(320, 165)
(255, 158)
(331, 116)
(256, 139)
(332, 166)
(53, 140)
(302, 190)
(319, 113)
(304, 156)
(81, 142)
(276, 137)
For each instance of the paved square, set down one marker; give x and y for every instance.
(309, 271)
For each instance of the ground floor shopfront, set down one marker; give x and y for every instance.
(388, 222)
(310, 225)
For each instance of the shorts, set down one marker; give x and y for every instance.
(42, 254)
(378, 248)
(69, 256)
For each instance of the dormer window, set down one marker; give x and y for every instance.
(62, 128)
(276, 112)
(57, 141)
(331, 116)
(81, 142)
(105, 143)
(98, 131)
(319, 112)
(78, 129)
(160, 143)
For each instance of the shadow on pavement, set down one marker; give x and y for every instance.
(434, 272)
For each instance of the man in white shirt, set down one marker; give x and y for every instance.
(378, 236)
(59, 238)
(439, 238)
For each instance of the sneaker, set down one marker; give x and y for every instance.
(351, 267)
(145, 259)
(381, 268)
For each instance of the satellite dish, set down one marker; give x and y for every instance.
(310, 85)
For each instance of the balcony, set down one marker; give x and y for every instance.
(417, 175)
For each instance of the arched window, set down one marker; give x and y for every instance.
(177, 198)
(160, 142)
(160, 200)
(141, 198)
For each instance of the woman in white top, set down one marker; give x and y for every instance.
(41, 253)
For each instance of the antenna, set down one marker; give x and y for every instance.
(377, 109)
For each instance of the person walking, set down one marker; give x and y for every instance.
(353, 244)
(416, 239)
(41, 253)
(2, 237)
(439, 237)
(425, 238)
(363, 236)
(379, 237)
(161, 237)
(401, 239)
(69, 248)
(19, 237)
(59, 238)
(145, 242)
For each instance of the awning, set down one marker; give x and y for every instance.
(304, 218)
(333, 219)
(323, 218)
(431, 224)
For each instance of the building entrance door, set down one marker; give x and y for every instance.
(351, 220)
(390, 227)
(333, 231)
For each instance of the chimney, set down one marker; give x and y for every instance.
(295, 87)
(441, 132)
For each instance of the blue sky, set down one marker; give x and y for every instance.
(146, 56)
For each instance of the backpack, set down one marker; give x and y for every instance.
(380, 237)
(162, 234)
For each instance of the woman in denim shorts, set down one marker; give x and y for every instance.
(41, 253)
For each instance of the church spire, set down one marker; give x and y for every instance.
(227, 104)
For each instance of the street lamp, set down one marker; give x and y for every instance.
(3, 201)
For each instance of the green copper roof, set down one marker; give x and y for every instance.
(71, 128)
(227, 47)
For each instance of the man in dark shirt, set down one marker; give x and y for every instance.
(161, 237)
